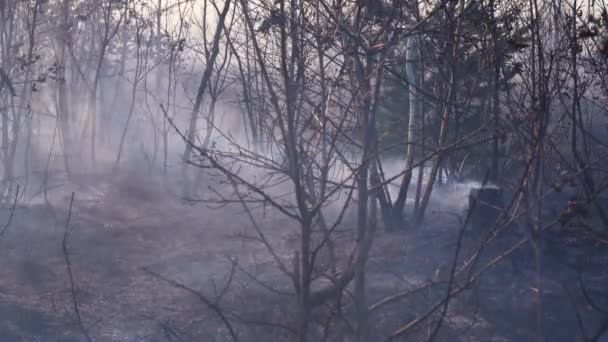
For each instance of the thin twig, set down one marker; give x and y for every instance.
(209, 303)
(66, 256)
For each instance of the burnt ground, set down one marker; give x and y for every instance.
(120, 230)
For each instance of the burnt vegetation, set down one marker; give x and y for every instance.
(304, 170)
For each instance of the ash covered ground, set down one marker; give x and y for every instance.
(133, 242)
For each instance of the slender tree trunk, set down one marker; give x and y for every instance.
(63, 111)
(362, 226)
(192, 127)
(494, 173)
(136, 77)
(422, 140)
(210, 125)
(438, 160)
(451, 47)
(118, 88)
(412, 127)
(5, 43)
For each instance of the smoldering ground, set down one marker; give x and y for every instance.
(134, 237)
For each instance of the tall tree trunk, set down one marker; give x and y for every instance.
(63, 110)
(371, 77)
(362, 227)
(451, 47)
(494, 173)
(136, 77)
(422, 140)
(108, 114)
(6, 99)
(24, 107)
(412, 127)
(192, 127)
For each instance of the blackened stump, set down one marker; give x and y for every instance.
(485, 204)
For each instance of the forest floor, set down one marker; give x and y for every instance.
(125, 234)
